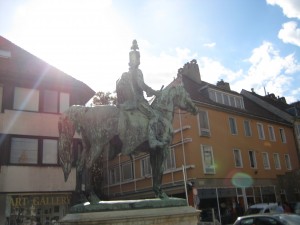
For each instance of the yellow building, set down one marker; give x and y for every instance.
(230, 153)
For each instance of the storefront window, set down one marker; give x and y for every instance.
(37, 209)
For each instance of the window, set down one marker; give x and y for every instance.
(239, 103)
(226, 99)
(297, 128)
(212, 95)
(232, 124)
(146, 167)
(267, 221)
(114, 175)
(26, 99)
(247, 128)
(231, 101)
(24, 151)
(247, 221)
(266, 161)
(219, 97)
(260, 130)
(282, 135)
(203, 123)
(127, 171)
(252, 159)
(207, 159)
(5, 54)
(53, 100)
(277, 161)
(237, 158)
(271, 133)
(64, 102)
(1, 97)
(49, 151)
(170, 163)
(50, 101)
(287, 161)
(33, 151)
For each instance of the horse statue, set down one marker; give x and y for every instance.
(99, 127)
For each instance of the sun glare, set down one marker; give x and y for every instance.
(84, 39)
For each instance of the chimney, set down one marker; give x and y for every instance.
(191, 70)
(223, 85)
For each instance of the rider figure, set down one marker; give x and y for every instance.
(130, 94)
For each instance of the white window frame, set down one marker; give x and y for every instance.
(231, 100)
(288, 163)
(50, 153)
(271, 133)
(266, 161)
(50, 101)
(233, 130)
(170, 161)
(1, 97)
(237, 155)
(26, 99)
(249, 127)
(282, 135)
(127, 167)
(203, 131)
(64, 101)
(252, 159)
(208, 159)
(146, 167)
(24, 151)
(297, 129)
(277, 161)
(114, 175)
(260, 131)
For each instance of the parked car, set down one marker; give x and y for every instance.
(268, 219)
(295, 207)
(263, 208)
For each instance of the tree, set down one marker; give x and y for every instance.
(102, 98)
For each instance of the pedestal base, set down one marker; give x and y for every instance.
(182, 215)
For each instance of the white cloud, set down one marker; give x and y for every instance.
(270, 70)
(289, 33)
(160, 70)
(291, 8)
(212, 71)
(209, 45)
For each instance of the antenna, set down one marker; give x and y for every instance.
(265, 90)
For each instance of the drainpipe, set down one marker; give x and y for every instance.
(185, 178)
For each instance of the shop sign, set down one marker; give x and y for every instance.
(39, 200)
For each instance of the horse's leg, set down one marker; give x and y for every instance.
(95, 153)
(157, 157)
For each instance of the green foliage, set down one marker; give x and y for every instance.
(102, 98)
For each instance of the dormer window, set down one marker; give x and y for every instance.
(226, 98)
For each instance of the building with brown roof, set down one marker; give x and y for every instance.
(289, 184)
(33, 94)
(230, 154)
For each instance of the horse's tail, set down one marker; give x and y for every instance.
(66, 131)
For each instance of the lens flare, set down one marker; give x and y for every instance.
(242, 180)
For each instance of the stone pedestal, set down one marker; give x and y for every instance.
(135, 213)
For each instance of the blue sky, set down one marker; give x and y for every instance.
(250, 43)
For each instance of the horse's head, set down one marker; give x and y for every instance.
(183, 100)
(65, 144)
